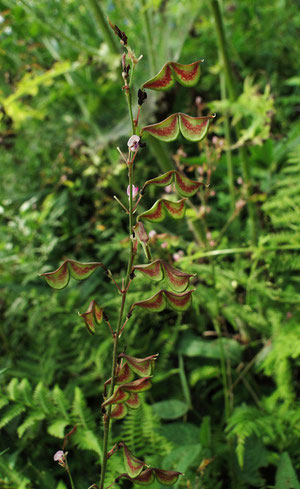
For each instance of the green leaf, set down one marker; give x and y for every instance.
(184, 457)
(175, 278)
(60, 278)
(92, 316)
(170, 409)
(286, 477)
(186, 75)
(193, 346)
(57, 428)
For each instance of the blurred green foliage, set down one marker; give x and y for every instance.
(224, 408)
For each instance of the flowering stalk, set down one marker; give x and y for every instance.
(121, 390)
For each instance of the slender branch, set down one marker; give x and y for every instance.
(69, 473)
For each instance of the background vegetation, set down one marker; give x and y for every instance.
(224, 408)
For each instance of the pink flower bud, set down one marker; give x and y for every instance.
(152, 233)
(240, 181)
(164, 244)
(133, 142)
(135, 191)
(168, 189)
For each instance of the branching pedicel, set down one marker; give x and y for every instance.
(121, 391)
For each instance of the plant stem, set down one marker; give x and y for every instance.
(124, 295)
(149, 42)
(108, 36)
(223, 53)
(69, 473)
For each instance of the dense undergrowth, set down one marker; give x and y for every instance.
(224, 408)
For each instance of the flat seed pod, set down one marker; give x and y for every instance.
(176, 210)
(140, 366)
(161, 208)
(145, 478)
(139, 385)
(194, 128)
(134, 401)
(156, 303)
(118, 411)
(92, 316)
(124, 375)
(162, 81)
(70, 268)
(166, 130)
(157, 213)
(152, 270)
(179, 302)
(166, 477)
(186, 187)
(176, 279)
(133, 465)
(186, 75)
(118, 397)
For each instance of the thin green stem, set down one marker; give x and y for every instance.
(106, 32)
(149, 43)
(69, 473)
(224, 56)
(123, 302)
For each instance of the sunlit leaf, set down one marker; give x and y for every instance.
(70, 268)
(140, 366)
(166, 130)
(118, 411)
(166, 477)
(92, 316)
(187, 75)
(194, 128)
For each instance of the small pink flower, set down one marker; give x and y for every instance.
(240, 181)
(164, 244)
(168, 189)
(152, 233)
(240, 204)
(178, 255)
(60, 458)
(135, 191)
(133, 142)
